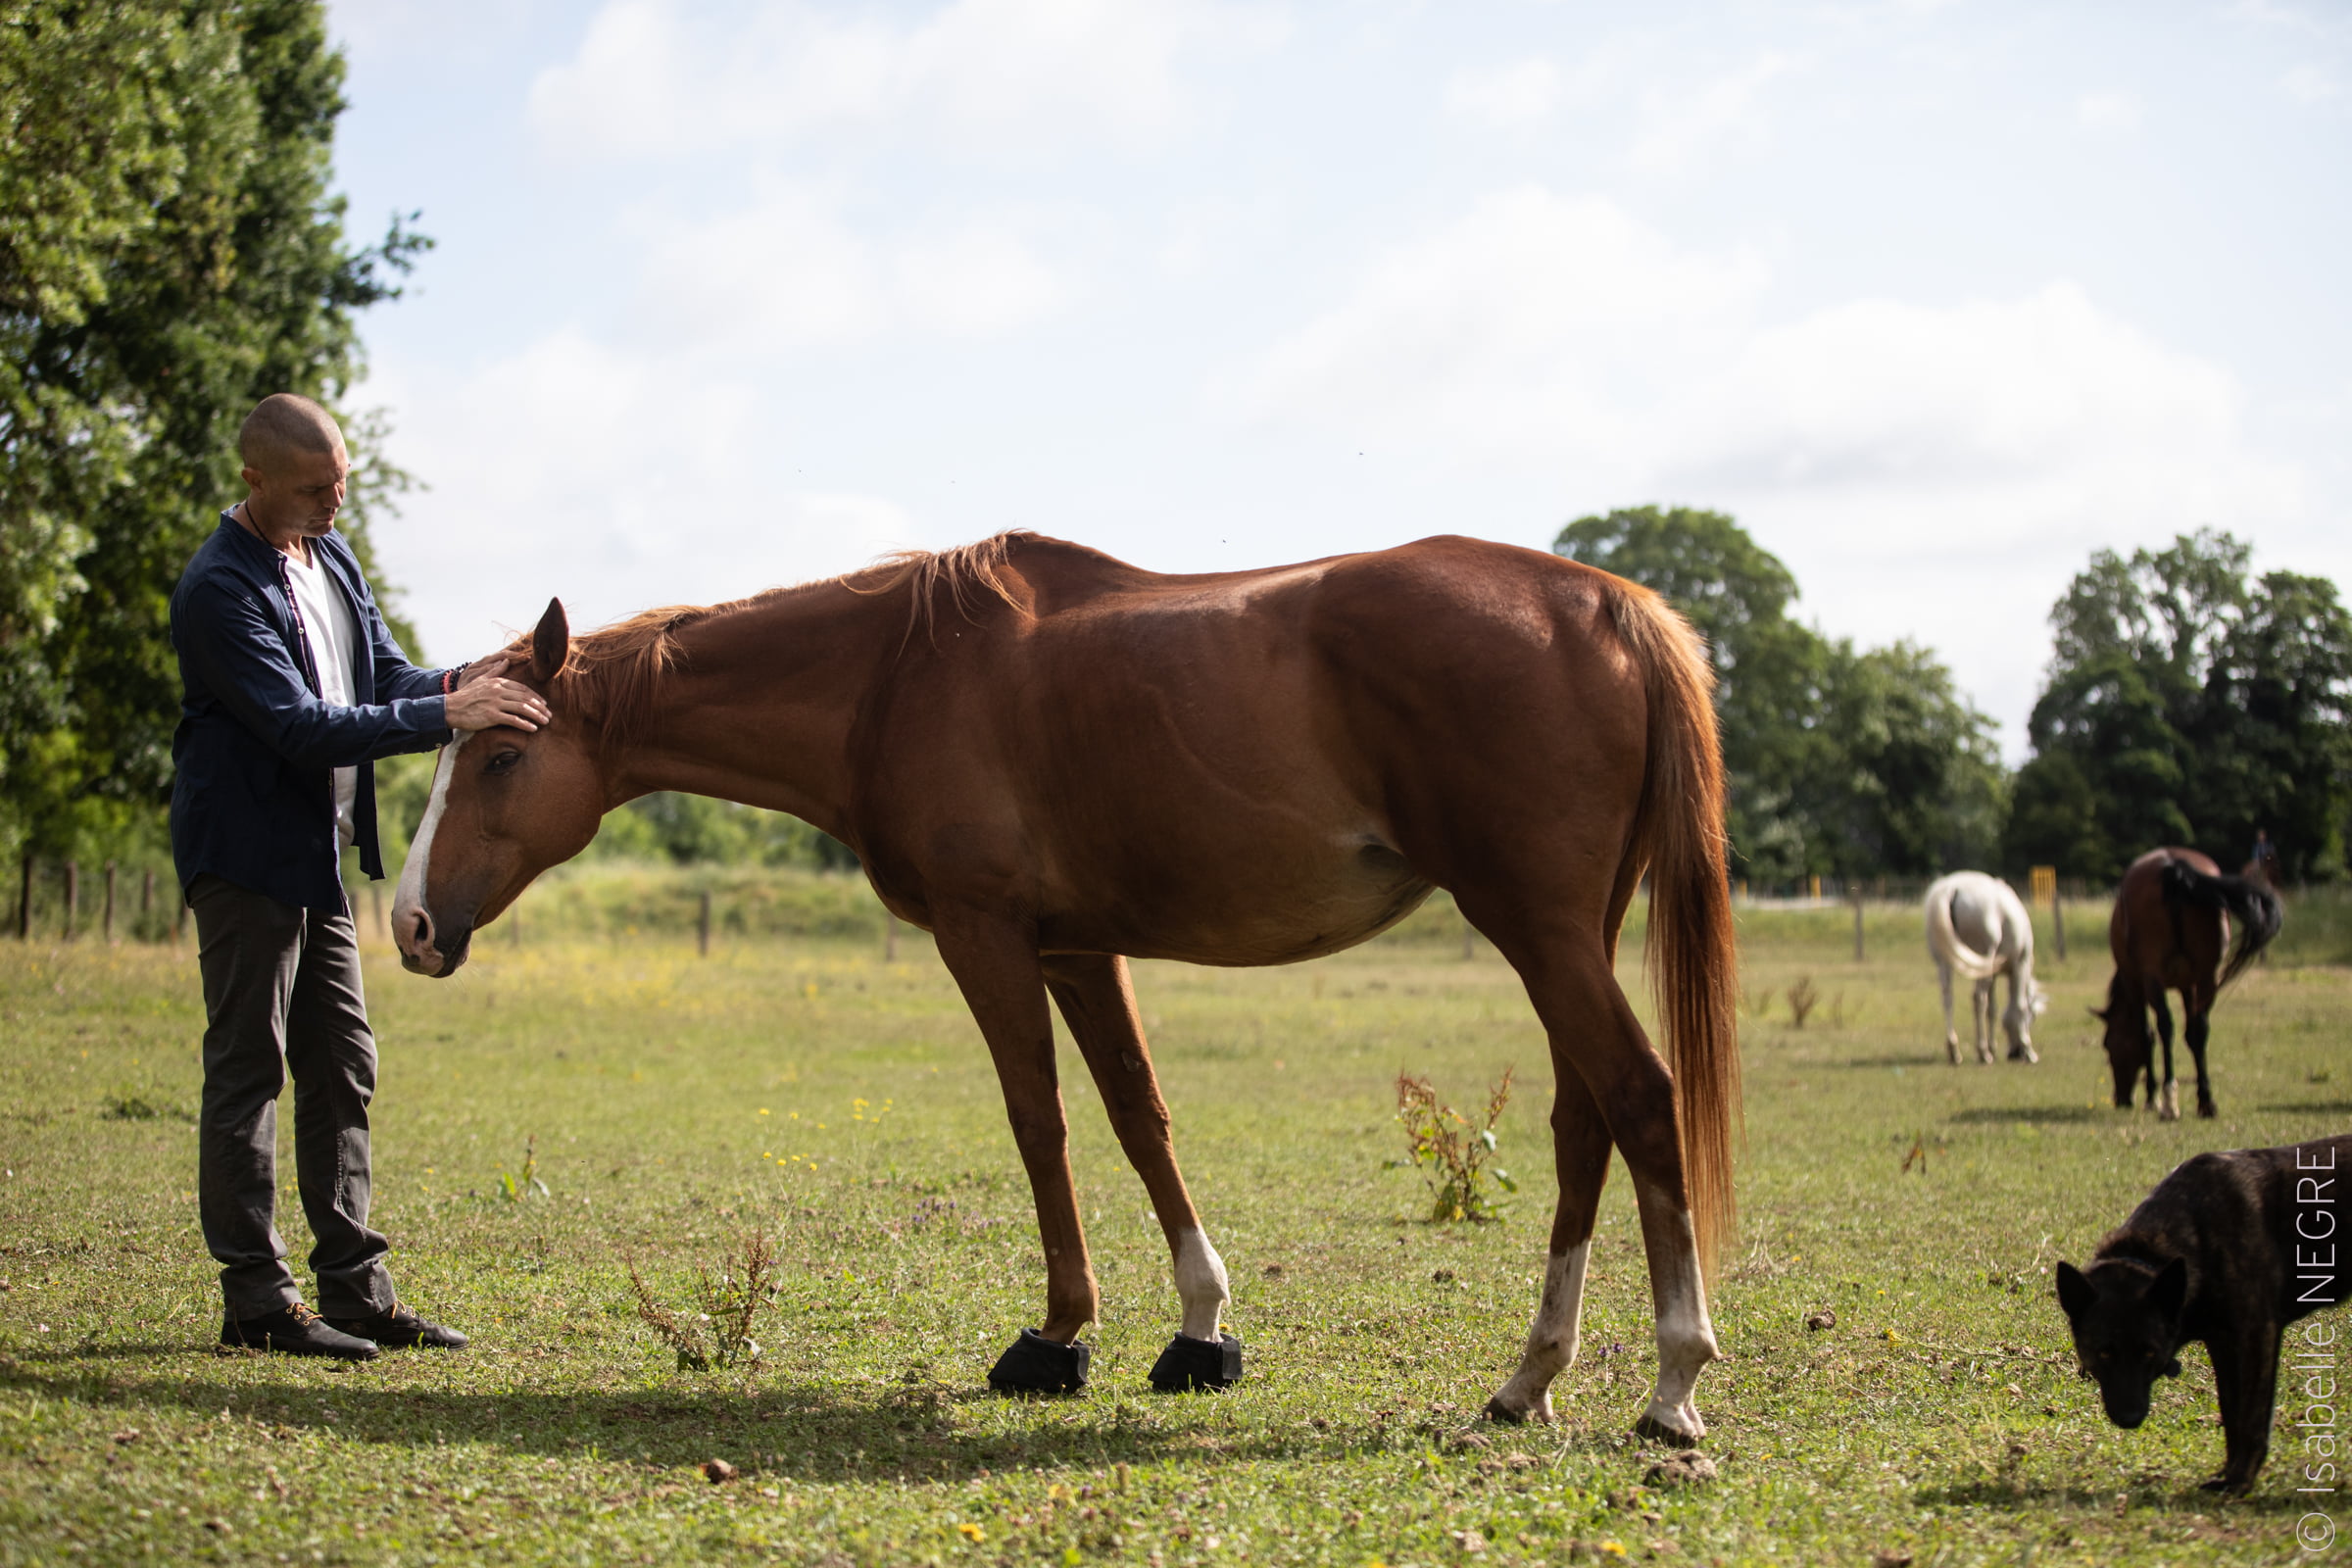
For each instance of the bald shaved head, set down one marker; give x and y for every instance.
(283, 426)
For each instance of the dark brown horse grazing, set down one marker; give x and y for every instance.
(1051, 759)
(2171, 931)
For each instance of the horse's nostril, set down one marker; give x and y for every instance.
(424, 931)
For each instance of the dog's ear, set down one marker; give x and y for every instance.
(2169, 1293)
(2172, 1368)
(2076, 1293)
(551, 643)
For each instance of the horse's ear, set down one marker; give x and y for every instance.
(551, 643)
(2099, 1013)
(2077, 1295)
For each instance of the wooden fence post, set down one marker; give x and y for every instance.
(2058, 923)
(146, 893)
(72, 896)
(107, 929)
(1857, 886)
(702, 926)
(24, 904)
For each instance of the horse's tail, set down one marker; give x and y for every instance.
(1944, 940)
(2255, 908)
(1690, 954)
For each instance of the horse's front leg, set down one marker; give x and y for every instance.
(2167, 1098)
(1098, 1001)
(994, 959)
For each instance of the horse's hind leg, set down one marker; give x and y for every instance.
(1580, 1142)
(1979, 1013)
(1097, 1000)
(2167, 1098)
(1951, 1036)
(1594, 1032)
(2199, 1007)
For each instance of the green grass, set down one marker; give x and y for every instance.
(846, 1105)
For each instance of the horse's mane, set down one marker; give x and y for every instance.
(967, 575)
(613, 674)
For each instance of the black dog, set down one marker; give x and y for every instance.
(2228, 1249)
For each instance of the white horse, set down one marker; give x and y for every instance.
(1977, 926)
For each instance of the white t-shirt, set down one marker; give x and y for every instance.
(328, 626)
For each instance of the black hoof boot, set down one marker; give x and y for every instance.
(1036, 1364)
(1188, 1364)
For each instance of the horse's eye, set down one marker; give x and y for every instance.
(503, 762)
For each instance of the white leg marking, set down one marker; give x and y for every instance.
(410, 897)
(1552, 1340)
(1200, 1284)
(2168, 1101)
(1686, 1334)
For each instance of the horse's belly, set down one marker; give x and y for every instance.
(1267, 908)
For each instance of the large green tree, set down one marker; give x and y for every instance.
(169, 253)
(1841, 760)
(2189, 702)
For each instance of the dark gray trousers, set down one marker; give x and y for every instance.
(283, 992)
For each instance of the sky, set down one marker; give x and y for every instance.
(1936, 299)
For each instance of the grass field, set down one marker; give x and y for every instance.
(844, 1105)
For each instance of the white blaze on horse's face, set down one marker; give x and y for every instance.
(505, 805)
(411, 930)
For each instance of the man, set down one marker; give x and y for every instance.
(292, 688)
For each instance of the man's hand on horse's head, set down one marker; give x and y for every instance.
(486, 700)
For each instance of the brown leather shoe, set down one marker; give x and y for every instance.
(295, 1330)
(400, 1330)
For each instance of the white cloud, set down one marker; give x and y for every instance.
(2308, 83)
(788, 270)
(1941, 467)
(1533, 324)
(613, 481)
(653, 76)
(1680, 124)
(1505, 97)
(2108, 111)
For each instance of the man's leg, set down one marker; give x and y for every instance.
(248, 947)
(331, 1053)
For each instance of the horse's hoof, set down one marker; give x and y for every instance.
(1188, 1364)
(2206, 1111)
(1502, 1414)
(1036, 1364)
(1657, 1431)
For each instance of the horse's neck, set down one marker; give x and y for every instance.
(759, 706)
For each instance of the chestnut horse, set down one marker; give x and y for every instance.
(1051, 760)
(2171, 931)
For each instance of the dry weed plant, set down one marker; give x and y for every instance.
(716, 1331)
(1450, 1151)
(1802, 998)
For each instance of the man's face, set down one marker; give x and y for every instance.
(299, 493)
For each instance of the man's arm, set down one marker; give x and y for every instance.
(233, 649)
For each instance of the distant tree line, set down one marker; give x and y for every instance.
(2185, 702)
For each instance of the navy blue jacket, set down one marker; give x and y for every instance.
(253, 798)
